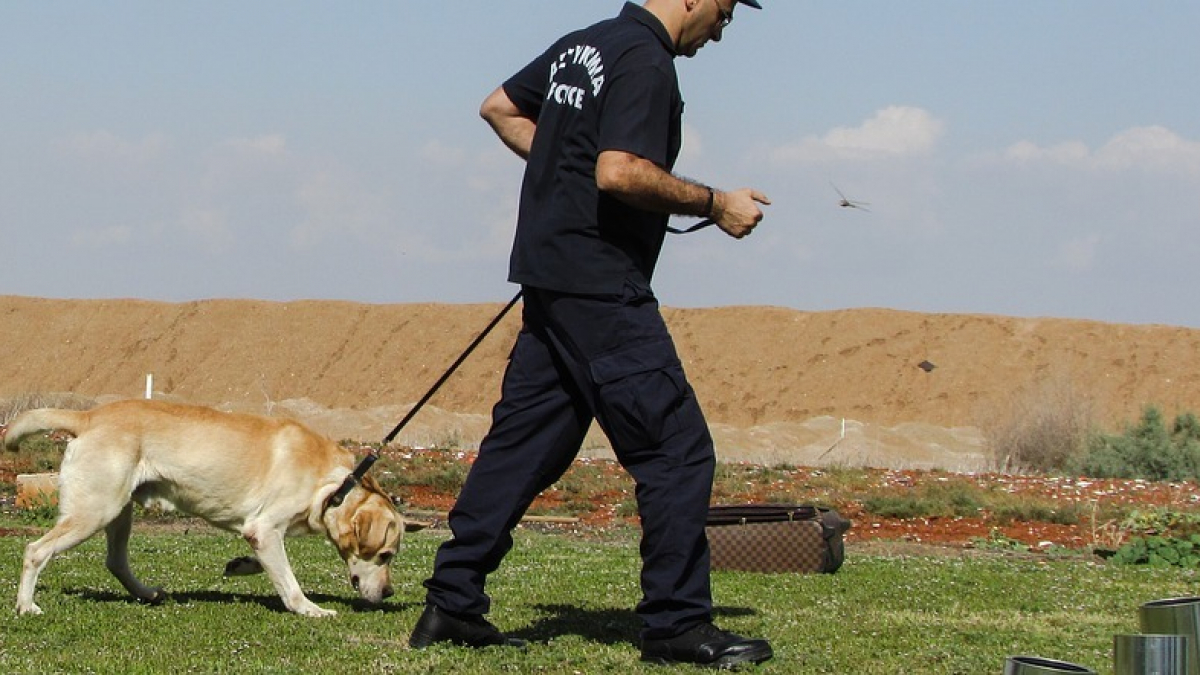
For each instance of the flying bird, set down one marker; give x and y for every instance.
(850, 203)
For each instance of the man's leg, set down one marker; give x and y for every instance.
(537, 429)
(674, 487)
(622, 357)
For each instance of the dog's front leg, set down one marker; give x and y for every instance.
(268, 547)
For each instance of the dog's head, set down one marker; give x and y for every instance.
(366, 529)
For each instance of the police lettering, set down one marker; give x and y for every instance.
(589, 58)
(566, 94)
(583, 56)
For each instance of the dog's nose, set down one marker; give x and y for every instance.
(354, 582)
(388, 592)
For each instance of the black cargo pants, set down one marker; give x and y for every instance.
(577, 358)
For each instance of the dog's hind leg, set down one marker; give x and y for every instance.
(68, 532)
(117, 560)
(93, 489)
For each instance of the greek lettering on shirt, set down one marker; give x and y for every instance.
(581, 56)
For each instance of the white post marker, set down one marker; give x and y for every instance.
(149, 386)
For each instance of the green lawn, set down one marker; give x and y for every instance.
(572, 598)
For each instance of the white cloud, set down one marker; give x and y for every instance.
(893, 132)
(1152, 147)
(1149, 147)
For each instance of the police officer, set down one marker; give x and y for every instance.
(597, 117)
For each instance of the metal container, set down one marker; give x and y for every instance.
(1175, 616)
(1143, 654)
(1036, 665)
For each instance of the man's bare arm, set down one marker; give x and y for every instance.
(642, 183)
(513, 127)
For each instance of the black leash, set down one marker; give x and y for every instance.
(688, 230)
(367, 462)
(353, 479)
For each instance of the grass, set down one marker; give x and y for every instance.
(572, 595)
(572, 598)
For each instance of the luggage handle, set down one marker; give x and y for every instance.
(761, 513)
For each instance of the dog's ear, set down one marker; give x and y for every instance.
(373, 534)
(369, 483)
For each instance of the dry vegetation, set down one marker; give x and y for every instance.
(1040, 428)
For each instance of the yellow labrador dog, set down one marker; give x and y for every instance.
(259, 476)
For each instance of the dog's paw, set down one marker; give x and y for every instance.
(243, 566)
(314, 611)
(156, 597)
(29, 610)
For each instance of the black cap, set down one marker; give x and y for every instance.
(752, 3)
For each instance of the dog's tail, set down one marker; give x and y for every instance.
(33, 421)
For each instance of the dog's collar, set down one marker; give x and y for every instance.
(335, 500)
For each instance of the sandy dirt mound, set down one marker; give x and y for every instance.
(778, 385)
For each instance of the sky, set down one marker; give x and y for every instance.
(1037, 159)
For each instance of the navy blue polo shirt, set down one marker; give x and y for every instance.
(611, 86)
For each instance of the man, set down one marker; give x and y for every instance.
(597, 118)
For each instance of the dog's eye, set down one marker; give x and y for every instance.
(386, 557)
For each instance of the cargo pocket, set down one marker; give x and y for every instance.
(639, 390)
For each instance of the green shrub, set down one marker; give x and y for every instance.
(1162, 538)
(1159, 551)
(41, 511)
(39, 453)
(1030, 511)
(938, 500)
(1161, 521)
(1148, 450)
(439, 470)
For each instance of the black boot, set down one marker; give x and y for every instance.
(707, 645)
(438, 625)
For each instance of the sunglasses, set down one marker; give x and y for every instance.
(726, 15)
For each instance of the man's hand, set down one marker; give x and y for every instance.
(737, 212)
(641, 183)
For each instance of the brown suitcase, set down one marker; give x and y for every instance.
(776, 538)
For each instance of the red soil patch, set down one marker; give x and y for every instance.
(1095, 496)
